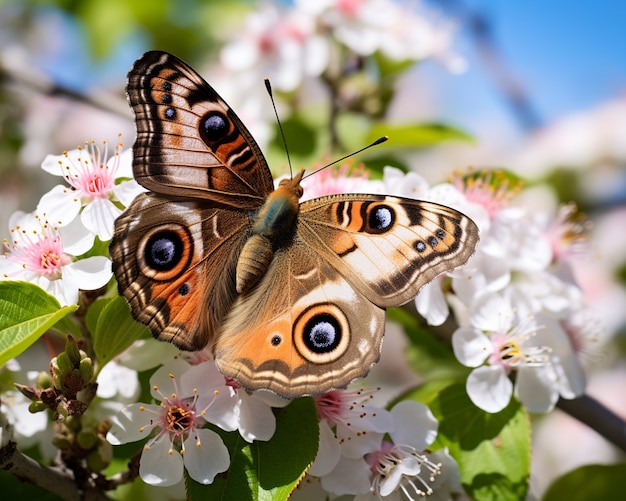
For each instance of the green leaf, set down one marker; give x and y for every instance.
(589, 482)
(492, 450)
(26, 313)
(264, 471)
(416, 135)
(426, 354)
(115, 329)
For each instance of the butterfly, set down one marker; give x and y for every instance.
(290, 297)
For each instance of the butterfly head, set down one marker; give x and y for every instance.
(291, 186)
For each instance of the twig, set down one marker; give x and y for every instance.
(595, 415)
(54, 479)
(38, 82)
(513, 91)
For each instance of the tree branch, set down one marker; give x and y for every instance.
(54, 479)
(599, 418)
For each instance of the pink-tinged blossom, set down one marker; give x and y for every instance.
(98, 185)
(280, 43)
(500, 340)
(349, 425)
(177, 438)
(44, 254)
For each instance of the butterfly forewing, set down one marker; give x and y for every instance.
(189, 142)
(387, 247)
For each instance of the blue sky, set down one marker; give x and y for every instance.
(569, 55)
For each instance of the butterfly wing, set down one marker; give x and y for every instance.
(189, 141)
(303, 330)
(387, 247)
(175, 262)
(315, 321)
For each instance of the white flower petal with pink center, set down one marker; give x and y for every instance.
(92, 181)
(413, 425)
(178, 423)
(471, 346)
(489, 388)
(37, 254)
(356, 421)
(159, 464)
(205, 456)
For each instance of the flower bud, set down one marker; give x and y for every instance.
(87, 439)
(37, 406)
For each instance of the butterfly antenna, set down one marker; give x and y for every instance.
(377, 142)
(280, 126)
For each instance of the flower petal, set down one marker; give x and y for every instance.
(59, 206)
(126, 191)
(76, 238)
(431, 303)
(90, 274)
(537, 388)
(165, 385)
(256, 419)
(491, 312)
(328, 454)
(408, 466)
(350, 476)
(414, 425)
(159, 464)
(99, 217)
(471, 347)
(489, 388)
(205, 456)
(132, 423)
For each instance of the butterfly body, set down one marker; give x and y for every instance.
(288, 296)
(274, 226)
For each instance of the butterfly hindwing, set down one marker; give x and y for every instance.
(174, 262)
(303, 330)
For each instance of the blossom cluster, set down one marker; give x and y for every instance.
(309, 43)
(44, 244)
(374, 453)
(300, 42)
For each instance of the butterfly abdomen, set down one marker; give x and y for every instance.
(253, 262)
(274, 227)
